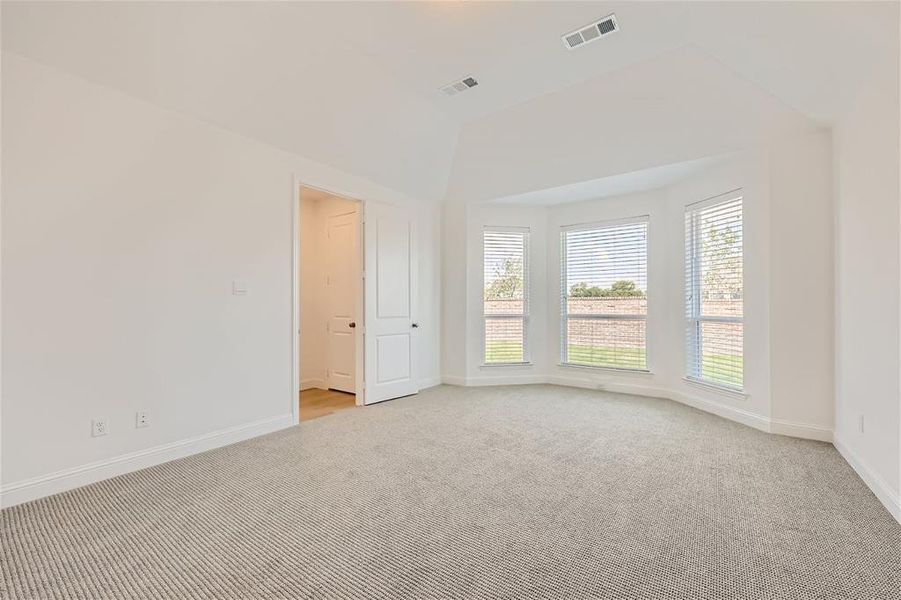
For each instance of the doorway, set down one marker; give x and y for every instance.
(331, 303)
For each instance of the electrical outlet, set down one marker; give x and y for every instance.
(860, 424)
(99, 426)
(142, 419)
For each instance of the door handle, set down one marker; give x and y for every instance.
(414, 325)
(352, 324)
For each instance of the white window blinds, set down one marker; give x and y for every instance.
(506, 294)
(604, 281)
(714, 291)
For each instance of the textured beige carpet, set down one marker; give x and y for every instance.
(527, 492)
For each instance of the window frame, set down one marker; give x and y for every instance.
(693, 363)
(564, 316)
(526, 304)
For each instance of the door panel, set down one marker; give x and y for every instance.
(341, 291)
(391, 278)
(393, 268)
(393, 358)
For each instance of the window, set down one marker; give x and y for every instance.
(505, 252)
(604, 283)
(714, 291)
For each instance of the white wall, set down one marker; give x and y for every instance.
(454, 268)
(802, 286)
(788, 251)
(867, 274)
(124, 226)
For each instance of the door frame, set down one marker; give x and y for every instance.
(359, 346)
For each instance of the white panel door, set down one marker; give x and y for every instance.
(391, 277)
(341, 272)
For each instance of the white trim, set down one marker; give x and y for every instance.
(312, 383)
(718, 199)
(296, 386)
(488, 380)
(601, 369)
(429, 382)
(646, 218)
(715, 387)
(506, 229)
(745, 417)
(606, 386)
(508, 364)
(801, 430)
(67, 479)
(360, 374)
(891, 499)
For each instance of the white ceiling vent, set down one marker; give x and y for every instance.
(459, 86)
(590, 33)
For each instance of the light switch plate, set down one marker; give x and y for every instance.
(239, 288)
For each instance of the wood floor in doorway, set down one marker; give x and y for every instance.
(315, 403)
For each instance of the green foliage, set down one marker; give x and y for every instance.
(620, 289)
(508, 281)
(721, 251)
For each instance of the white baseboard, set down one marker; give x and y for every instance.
(311, 383)
(67, 479)
(781, 427)
(429, 382)
(890, 498)
(745, 417)
(453, 380)
(484, 380)
(801, 430)
(519, 379)
(722, 410)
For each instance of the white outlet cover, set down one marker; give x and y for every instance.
(99, 426)
(142, 419)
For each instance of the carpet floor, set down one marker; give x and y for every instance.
(513, 492)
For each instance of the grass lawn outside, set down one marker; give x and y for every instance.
(503, 351)
(727, 369)
(601, 356)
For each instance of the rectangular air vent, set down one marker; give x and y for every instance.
(590, 33)
(460, 85)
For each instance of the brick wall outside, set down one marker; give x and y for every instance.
(719, 338)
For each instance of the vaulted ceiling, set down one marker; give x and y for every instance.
(355, 84)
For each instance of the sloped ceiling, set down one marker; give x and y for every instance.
(681, 106)
(355, 84)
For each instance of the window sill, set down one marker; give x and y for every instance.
(509, 364)
(719, 389)
(606, 369)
